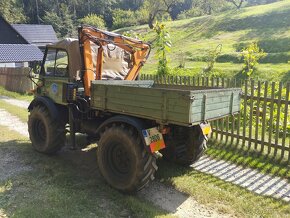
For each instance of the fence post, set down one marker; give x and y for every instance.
(285, 122)
(278, 118)
(245, 112)
(264, 116)
(257, 115)
(271, 116)
(251, 113)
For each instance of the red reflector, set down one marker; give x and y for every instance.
(156, 146)
(165, 130)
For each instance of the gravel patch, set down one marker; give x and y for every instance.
(18, 103)
(2, 214)
(11, 164)
(10, 160)
(13, 123)
(177, 203)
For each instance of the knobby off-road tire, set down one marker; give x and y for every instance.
(46, 134)
(123, 161)
(185, 145)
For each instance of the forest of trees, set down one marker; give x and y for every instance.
(65, 15)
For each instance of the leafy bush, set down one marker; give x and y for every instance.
(200, 8)
(211, 58)
(275, 58)
(94, 20)
(251, 55)
(124, 18)
(193, 12)
(275, 45)
(162, 45)
(231, 57)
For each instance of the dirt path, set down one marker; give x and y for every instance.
(18, 103)
(13, 123)
(177, 203)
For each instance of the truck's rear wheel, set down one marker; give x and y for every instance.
(47, 135)
(185, 145)
(123, 161)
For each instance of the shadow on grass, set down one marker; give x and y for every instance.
(242, 155)
(257, 173)
(67, 184)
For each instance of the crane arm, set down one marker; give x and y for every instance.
(87, 35)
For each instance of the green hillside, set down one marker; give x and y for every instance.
(269, 25)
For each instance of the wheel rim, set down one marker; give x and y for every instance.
(39, 130)
(118, 159)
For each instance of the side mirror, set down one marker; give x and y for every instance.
(34, 68)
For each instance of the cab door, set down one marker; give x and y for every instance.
(54, 74)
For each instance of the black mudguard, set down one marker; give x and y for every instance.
(48, 103)
(138, 124)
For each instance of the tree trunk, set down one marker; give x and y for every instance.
(151, 20)
(240, 5)
(209, 10)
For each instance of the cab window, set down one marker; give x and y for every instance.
(56, 63)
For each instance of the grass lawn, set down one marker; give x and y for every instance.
(193, 39)
(10, 94)
(264, 72)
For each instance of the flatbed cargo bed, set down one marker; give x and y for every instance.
(167, 104)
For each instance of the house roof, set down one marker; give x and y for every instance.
(9, 35)
(39, 35)
(19, 53)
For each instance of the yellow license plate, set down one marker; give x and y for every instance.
(206, 128)
(154, 139)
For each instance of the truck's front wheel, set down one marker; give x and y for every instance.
(47, 135)
(123, 161)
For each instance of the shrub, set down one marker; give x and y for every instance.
(230, 57)
(251, 56)
(162, 45)
(94, 20)
(211, 58)
(123, 18)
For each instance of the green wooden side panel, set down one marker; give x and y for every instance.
(165, 105)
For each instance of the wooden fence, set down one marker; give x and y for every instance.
(262, 125)
(15, 79)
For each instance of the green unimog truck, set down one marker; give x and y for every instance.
(90, 85)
